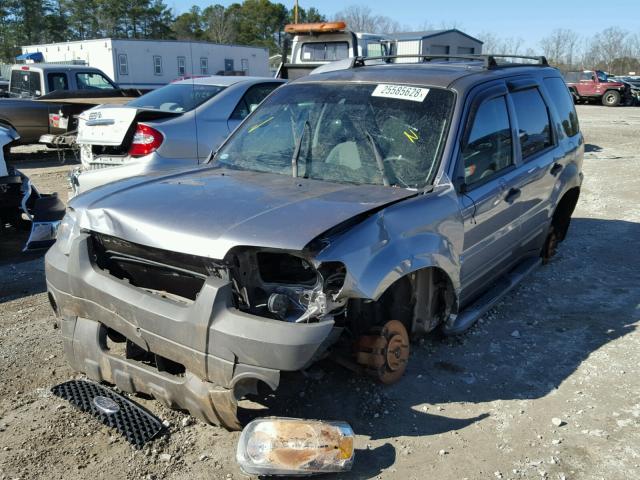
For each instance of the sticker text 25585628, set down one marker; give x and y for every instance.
(401, 92)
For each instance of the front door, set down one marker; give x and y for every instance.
(489, 198)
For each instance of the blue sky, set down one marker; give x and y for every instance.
(530, 20)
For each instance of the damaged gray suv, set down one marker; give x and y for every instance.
(355, 209)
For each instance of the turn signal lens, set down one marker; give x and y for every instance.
(145, 140)
(290, 446)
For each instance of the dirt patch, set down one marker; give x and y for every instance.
(545, 386)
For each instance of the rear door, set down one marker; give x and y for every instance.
(489, 198)
(548, 140)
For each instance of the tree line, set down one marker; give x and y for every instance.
(251, 22)
(613, 50)
(261, 23)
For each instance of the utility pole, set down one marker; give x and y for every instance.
(295, 12)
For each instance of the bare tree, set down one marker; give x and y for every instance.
(361, 18)
(612, 50)
(499, 45)
(560, 46)
(612, 45)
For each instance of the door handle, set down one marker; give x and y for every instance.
(555, 169)
(512, 195)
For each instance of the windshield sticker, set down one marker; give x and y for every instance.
(412, 134)
(401, 92)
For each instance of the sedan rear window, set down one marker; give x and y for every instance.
(355, 133)
(176, 97)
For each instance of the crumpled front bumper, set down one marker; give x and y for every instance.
(20, 202)
(224, 351)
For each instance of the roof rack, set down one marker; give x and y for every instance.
(488, 61)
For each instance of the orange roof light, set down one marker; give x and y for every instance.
(322, 27)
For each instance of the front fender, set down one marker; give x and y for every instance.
(424, 231)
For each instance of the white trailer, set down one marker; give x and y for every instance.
(148, 64)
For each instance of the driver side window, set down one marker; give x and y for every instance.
(489, 147)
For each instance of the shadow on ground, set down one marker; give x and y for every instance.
(588, 296)
(590, 147)
(21, 274)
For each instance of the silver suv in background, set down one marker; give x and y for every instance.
(354, 209)
(174, 126)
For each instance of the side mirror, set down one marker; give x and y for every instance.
(460, 185)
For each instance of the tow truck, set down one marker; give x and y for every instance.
(316, 44)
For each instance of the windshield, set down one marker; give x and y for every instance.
(355, 133)
(177, 97)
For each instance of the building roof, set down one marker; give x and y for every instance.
(148, 40)
(431, 33)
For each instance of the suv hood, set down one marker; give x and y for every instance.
(208, 211)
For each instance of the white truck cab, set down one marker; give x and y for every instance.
(316, 44)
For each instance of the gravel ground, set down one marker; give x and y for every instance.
(545, 386)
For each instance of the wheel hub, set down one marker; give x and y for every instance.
(384, 355)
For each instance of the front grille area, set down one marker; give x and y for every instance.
(153, 269)
(136, 424)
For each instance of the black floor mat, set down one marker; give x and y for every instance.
(134, 422)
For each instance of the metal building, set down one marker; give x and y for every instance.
(436, 42)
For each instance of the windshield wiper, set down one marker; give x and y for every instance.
(296, 152)
(379, 160)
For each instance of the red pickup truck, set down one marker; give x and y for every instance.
(594, 85)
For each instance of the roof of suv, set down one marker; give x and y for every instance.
(436, 74)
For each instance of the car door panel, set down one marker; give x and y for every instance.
(540, 158)
(490, 200)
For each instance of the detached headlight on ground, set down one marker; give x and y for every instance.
(67, 231)
(289, 446)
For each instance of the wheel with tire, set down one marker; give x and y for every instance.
(611, 98)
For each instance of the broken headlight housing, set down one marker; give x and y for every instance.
(295, 290)
(290, 446)
(67, 231)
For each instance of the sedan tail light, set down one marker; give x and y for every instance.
(145, 140)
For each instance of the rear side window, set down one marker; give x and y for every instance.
(252, 99)
(57, 81)
(25, 83)
(534, 129)
(489, 148)
(563, 102)
(323, 51)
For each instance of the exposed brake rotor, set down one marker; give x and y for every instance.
(384, 355)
